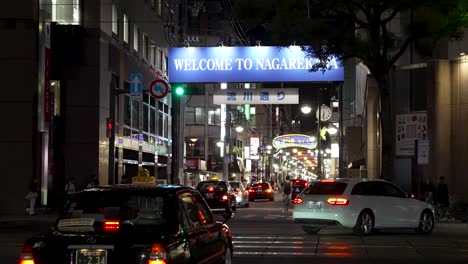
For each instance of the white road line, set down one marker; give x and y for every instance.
(269, 237)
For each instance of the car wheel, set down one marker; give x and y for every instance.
(311, 230)
(364, 224)
(426, 222)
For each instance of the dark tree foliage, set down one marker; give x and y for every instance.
(361, 29)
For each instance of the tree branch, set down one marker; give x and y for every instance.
(400, 52)
(353, 14)
(391, 16)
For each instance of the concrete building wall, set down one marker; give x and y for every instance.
(18, 113)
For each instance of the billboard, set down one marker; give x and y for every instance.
(257, 96)
(247, 64)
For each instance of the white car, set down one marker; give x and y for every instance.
(362, 204)
(242, 195)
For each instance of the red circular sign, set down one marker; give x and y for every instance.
(158, 89)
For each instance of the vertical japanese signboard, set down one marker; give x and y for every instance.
(409, 128)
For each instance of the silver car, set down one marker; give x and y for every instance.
(242, 195)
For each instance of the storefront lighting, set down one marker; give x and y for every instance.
(220, 144)
(332, 130)
(239, 129)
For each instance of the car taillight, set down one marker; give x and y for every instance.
(306, 184)
(328, 180)
(111, 225)
(251, 190)
(268, 190)
(26, 255)
(225, 197)
(157, 254)
(338, 201)
(298, 200)
(211, 189)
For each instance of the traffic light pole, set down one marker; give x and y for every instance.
(174, 137)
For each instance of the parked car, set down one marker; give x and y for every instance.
(261, 191)
(219, 195)
(362, 204)
(242, 195)
(133, 224)
(298, 185)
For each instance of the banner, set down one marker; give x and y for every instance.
(247, 64)
(256, 96)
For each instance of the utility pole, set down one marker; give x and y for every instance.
(175, 141)
(319, 138)
(227, 144)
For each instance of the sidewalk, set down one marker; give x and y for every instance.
(42, 218)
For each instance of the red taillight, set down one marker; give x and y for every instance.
(111, 225)
(298, 200)
(26, 256)
(306, 184)
(338, 201)
(211, 189)
(296, 181)
(157, 254)
(251, 190)
(225, 197)
(328, 180)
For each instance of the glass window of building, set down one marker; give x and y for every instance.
(145, 46)
(135, 113)
(160, 59)
(115, 20)
(159, 7)
(200, 115)
(145, 118)
(136, 33)
(125, 28)
(65, 12)
(152, 53)
(190, 115)
(160, 123)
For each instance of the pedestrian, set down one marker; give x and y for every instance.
(429, 191)
(31, 196)
(93, 182)
(442, 195)
(70, 187)
(286, 187)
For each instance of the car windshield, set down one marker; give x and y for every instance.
(141, 209)
(326, 188)
(212, 186)
(235, 185)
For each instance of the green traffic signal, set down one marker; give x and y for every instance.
(179, 90)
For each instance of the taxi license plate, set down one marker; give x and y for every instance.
(259, 190)
(91, 256)
(208, 195)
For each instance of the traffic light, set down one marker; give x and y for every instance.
(179, 90)
(109, 127)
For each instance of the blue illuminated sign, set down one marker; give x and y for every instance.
(247, 64)
(294, 140)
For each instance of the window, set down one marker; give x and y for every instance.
(387, 189)
(145, 46)
(125, 28)
(152, 54)
(196, 211)
(363, 188)
(159, 7)
(136, 33)
(160, 59)
(200, 115)
(115, 20)
(65, 12)
(326, 188)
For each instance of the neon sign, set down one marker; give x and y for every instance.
(295, 140)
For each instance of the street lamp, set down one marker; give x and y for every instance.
(239, 129)
(306, 109)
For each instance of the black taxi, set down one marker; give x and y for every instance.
(150, 224)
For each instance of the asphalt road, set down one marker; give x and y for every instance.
(264, 233)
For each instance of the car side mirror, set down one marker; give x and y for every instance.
(228, 214)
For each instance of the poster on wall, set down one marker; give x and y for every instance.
(409, 128)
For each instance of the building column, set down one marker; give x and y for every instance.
(373, 149)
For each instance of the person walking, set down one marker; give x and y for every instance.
(286, 189)
(31, 196)
(70, 187)
(93, 182)
(442, 196)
